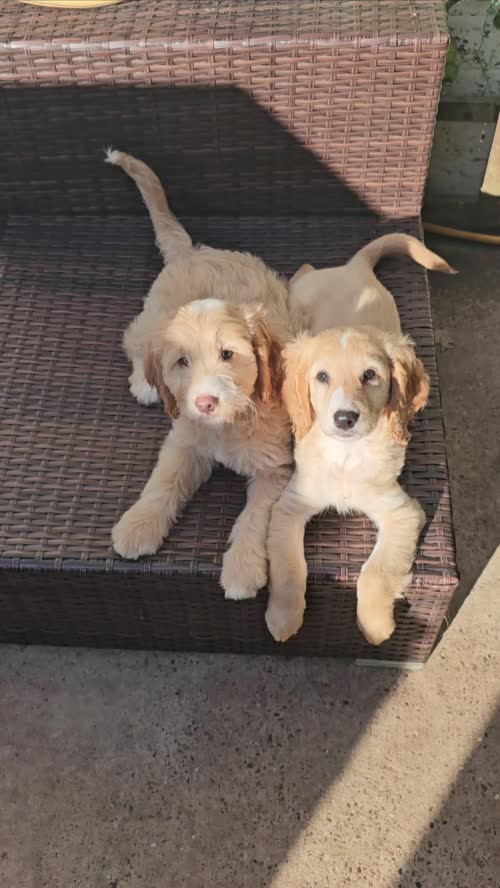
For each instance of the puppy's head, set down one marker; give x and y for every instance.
(349, 380)
(214, 362)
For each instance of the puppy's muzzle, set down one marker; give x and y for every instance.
(345, 420)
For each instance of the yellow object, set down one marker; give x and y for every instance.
(462, 235)
(70, 4)
(491, 184)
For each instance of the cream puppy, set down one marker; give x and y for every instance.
(208, 342)
(351, 391)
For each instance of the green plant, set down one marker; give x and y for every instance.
(458, 50)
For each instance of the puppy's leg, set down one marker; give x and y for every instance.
(180, 470)
(244, 568)
(287, 565)
(136, 335)
(387, 573)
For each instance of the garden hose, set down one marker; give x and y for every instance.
(461, 234)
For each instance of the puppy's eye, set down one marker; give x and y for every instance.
(226, 354)
(322, 376)
(369, 375)
(183, 362)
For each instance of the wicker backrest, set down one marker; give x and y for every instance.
(256, 107)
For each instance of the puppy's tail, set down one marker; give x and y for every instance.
(171, 238)
(402, 243)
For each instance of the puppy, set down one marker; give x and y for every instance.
(351, 392)
(350, 295)
(208, 342)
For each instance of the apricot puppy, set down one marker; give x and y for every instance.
(351, 392)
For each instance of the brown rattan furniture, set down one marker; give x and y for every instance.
(297, 130)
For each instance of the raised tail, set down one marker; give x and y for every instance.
(402, 243)
(171, 238)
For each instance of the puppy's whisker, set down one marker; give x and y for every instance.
(257, 409)
(246, 405)
(243, 403)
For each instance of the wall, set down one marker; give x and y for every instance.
(469, 100)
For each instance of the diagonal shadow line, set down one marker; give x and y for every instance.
(218, 150)
(462, 845)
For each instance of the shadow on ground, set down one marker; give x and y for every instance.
(168, 771)
(466, 316)
(461, 847)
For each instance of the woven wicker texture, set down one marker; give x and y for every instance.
(354, 81)
(226, 21)
(75, 450)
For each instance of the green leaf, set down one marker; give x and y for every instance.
(496, 21)
(452, 63)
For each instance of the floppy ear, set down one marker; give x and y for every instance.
(153, 372)
(267, 352)
(409, 388)
(295, 390)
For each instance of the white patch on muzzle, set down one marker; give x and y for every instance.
(338, 401)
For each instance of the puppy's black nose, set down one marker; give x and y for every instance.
(345, 419)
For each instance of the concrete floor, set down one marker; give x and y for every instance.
(127, 770)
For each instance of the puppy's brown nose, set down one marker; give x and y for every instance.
(345, 419)
(206, 403)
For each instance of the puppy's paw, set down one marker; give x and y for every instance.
(138, 532)
(243, 572)
(375, 608)
(283, 622)
(144, 393)
(376, 625)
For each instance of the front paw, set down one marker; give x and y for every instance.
(144, 393)
(376, 624)
(283, 622)
(244, 572)
(375, 608)
(138, 532)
